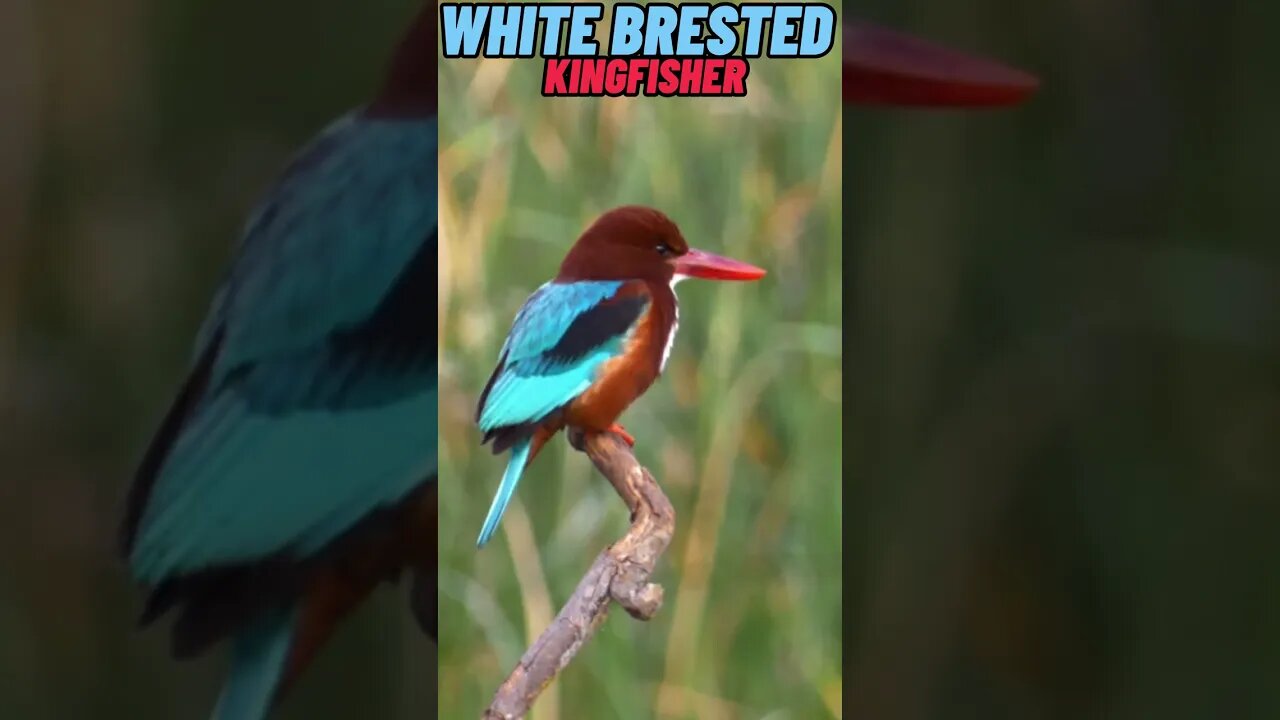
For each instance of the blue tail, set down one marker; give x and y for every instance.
(519, 456)
(257, 660)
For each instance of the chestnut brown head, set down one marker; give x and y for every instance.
(409, 89)
(640, 243)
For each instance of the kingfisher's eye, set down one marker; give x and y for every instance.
(665, 250)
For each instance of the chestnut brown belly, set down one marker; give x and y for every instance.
(625, 377)
(620, 382)
(600, 405)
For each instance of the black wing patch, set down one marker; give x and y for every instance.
(388, 356)
(603, 322)
(400, 332)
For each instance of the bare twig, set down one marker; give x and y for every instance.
(620, 573)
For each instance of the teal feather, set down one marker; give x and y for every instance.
(533, 381)
(242, 485)
(511, 478)
(530, 389)
(547, 314)
(257, 661)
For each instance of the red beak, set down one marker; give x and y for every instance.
(886, 68)
(709, 266)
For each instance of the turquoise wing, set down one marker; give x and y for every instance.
(559, 340)
(313, 400)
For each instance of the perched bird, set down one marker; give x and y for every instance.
(886, 68)
(587, 344)
(296, 469)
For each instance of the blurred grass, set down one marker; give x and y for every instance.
(743, 430)
(1063, 332)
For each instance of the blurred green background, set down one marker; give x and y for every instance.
(1063, 344)
(742, 431)
(136, 136)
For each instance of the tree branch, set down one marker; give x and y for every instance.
(620, 574)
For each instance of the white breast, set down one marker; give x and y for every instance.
(675, 325)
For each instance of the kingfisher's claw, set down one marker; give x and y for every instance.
(621, 432)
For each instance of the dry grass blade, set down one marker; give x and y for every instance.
(620, 574)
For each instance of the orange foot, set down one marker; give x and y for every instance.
(621, 432)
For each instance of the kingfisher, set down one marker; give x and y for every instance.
(883, 67)
(585, 345)
(296, 468)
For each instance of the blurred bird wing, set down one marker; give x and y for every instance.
(243, 482)
(321, 403)
(330, 239)
(558, 341)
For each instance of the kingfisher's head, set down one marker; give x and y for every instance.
(887, 68)
(639, 243)
(409, 89)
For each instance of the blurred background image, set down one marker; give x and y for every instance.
(742, 431)
(1064, 340)
(137, 135)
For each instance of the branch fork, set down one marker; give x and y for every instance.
(621, 574)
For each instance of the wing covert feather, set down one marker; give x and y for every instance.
(559, 340)
(327, 244)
